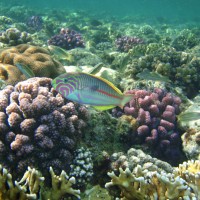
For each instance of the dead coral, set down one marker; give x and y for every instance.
(37, 58)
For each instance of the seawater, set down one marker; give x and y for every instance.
(172, 10)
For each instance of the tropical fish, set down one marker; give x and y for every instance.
(153, 76)
(59, 53)
(89, 89)
(26, 70)
(189, 116)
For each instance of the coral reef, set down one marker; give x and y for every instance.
(82, 167)
(67, 39)
(13, 37)
(125, 43)
(34, 122)
(183, 183)
(155, 113)
(37, 58)
(35, 22)
(180, 67)
(32, 186)
(191, 144)
(136, 157)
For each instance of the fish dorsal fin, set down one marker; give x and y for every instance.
(105, 81)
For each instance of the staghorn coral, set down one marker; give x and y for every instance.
(37, 58)
(33, 187)
(34, 121)
(183, 183)
(17, 190)
(13, 37)
(155, 114)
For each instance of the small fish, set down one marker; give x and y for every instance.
(26, 70)
(189, 116)
(89, 89)
(60, 53)
(153, 76)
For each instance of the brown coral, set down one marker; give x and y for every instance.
(37, 58)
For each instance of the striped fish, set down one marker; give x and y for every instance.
(89, 89)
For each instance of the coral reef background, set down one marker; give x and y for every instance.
(52, 148)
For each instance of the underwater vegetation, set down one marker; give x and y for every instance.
(61, 71)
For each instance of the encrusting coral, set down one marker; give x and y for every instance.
(37, 58)
(183, 183)
(34, 121)
(32, 186)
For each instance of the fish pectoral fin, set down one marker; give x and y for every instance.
(103, 107)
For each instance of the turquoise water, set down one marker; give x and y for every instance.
(183, 10)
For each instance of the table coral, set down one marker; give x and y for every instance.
(37, 58)
(155, 113)
(38, 124)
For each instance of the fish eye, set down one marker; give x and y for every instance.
(65, 80)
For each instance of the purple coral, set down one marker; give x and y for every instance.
(35, 22)
(125, 43)
(67, 39)
(155, 113)
(38, 124)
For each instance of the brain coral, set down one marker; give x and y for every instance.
(37, 124)
(37, 58)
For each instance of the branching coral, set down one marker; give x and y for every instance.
(144, 185)
(37, 58)
(34, 122)
(32, 186)
(155, 122)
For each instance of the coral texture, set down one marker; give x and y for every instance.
(125, 43)
(67, 39)
(155, 113)
(35, 22)
(32, 187)
(136, 157)
(13, 36)
(82, 167)
(182, 68)
(38, 124)
(183, 183)
(37, 58)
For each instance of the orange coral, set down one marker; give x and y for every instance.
(37, 58)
